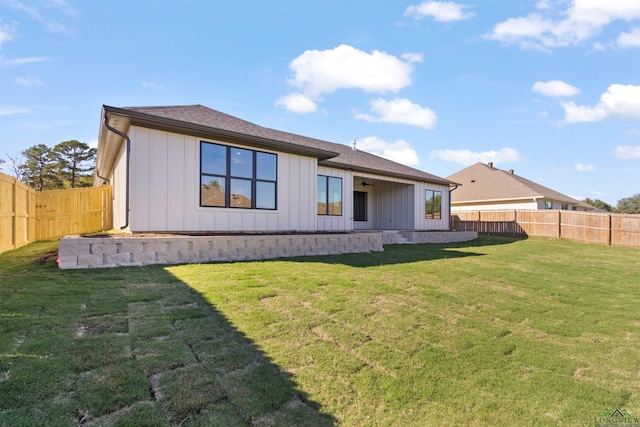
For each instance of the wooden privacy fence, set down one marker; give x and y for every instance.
(603, 228)
(28, 215)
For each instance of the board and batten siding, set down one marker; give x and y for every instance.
(118, 181)
(399, 204)
(165, 189)
(422, 223)
(392, 203)
(342, 222)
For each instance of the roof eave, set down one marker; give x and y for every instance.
(202, 131)
(346, 166)
(108, 147)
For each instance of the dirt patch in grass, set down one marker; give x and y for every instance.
(51, 255)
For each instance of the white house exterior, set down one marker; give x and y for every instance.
(194, 169)
(485, 187)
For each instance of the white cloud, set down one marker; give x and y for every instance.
(6, 33)
(400, 111)
(93, 143)
(64, 7)
(580, 21)
(467, 157)
(345, 67)
(581, 167)
(317, 73)
(298, 103)
(627, 152)
(45, 17)
(29, 81)
(8, 110)
(412, 57)
(150, 85)
(555, 88)
(8, 63)
(621, 101)
(439, 10)
(522, 30)
(544, 4)
(399, 151)
(630, 39)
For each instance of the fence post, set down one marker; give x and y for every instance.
(609, 231)
(14, 219)
(559, 224)
(479, 220)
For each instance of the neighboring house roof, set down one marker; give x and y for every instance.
(205, 122)
(482, 183)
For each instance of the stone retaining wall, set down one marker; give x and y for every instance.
(89, 252)
(101, 252)
(439, 236)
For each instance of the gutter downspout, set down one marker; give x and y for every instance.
(450, 190)
(102, 177)
(128, 149)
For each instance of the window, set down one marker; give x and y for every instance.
(232, 177)
(329, 195)
(565, 206)
(433, 204)
(548, 204)
(359, 205)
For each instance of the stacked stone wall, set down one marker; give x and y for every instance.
(101, 252)
(96, 252)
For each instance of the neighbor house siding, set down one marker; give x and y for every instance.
(165, 189)
(511, 205)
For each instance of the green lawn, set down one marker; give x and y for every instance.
(498, 331)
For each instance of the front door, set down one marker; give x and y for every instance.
(360, 206)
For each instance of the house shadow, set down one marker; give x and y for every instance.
(199, 367)
(409, 253)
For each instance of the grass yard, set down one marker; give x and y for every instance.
(494, 332)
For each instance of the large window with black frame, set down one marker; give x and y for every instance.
(433, 204)
(233, 177)
(329, 195)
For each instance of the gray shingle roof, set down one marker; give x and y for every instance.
(481, 182)
(328, 153)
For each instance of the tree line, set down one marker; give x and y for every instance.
(628, 205)
(69, 164)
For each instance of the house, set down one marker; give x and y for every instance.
(194, 169)
(485, 187)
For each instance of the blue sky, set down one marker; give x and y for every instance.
(550, 88)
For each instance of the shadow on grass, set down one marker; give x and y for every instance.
(132, 346)
(409, 253)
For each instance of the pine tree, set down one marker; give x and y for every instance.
(75, 162)
(39, 168)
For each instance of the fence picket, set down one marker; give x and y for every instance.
(603, 228)
(27, 215)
